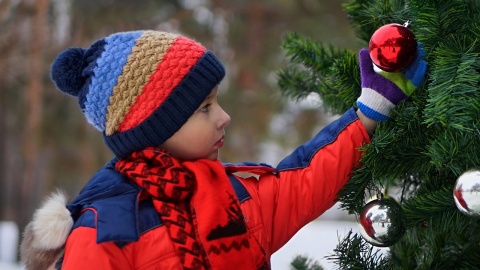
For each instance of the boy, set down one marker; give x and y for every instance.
(165, 201)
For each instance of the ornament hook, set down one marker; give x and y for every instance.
(379, 193)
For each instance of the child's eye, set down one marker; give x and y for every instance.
(205, 108)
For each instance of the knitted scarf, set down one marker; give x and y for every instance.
(198, 205)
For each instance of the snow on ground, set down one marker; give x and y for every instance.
(316, 240)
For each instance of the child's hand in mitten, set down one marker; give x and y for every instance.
(382, 91)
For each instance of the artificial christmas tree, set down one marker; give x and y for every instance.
(429, 142)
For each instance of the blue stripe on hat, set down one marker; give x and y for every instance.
(109, 67)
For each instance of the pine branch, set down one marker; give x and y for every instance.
(366, 16)
(318, 68)
(421, 208)
(437, 20)
(453, 91)
(355, 253)
(304, 263)
(446, 240)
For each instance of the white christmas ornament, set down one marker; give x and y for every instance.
(467, 192)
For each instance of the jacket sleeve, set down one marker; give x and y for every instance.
(82, 252)
(308, 180)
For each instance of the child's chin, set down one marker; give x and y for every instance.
(213, 156)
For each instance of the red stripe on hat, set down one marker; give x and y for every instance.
(181, 56)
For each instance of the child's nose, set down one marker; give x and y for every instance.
(224, 118)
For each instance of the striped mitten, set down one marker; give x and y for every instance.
(382, 91)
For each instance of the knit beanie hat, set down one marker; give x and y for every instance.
(139, 87)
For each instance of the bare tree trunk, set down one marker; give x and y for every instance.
(2, 134)
(4, 203)
(3, 197)
(31, 187)
(8, 43)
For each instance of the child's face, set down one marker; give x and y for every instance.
(202, 135)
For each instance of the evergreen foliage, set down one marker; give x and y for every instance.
(304, 263)
(430, 140)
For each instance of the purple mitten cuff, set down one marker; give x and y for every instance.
(378, 83)
(379, 95)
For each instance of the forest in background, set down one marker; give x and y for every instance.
(46, 143)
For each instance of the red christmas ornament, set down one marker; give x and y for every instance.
(393, 47)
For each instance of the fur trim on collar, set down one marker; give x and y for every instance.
(45, 236)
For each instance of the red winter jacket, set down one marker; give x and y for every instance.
(113, 231)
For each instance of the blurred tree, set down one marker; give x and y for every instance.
(33, 105)
(430, 140)
(22, 80)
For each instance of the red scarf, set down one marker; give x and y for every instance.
(198, 205)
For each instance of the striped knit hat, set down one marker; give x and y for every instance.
(140, 87)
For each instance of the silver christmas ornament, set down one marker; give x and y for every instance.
(467, 192)
(382, 221)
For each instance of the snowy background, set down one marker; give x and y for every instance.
(316, 240)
